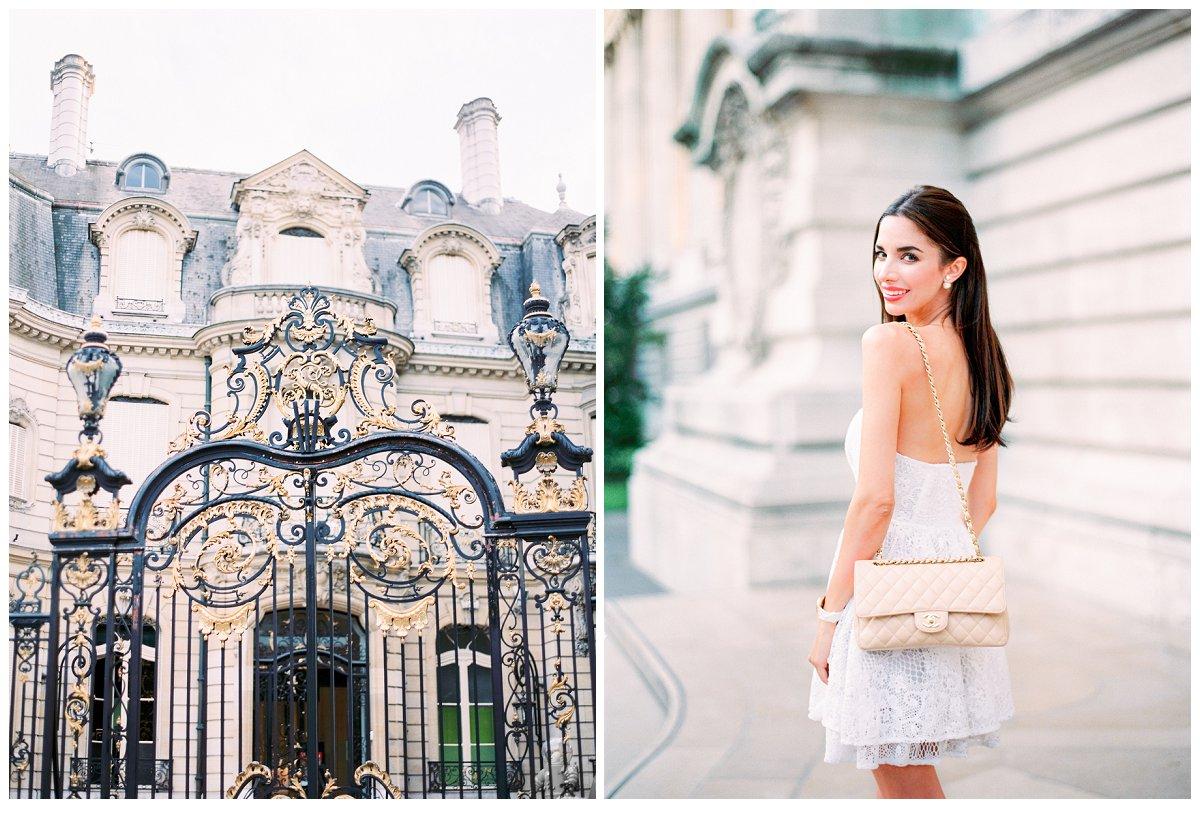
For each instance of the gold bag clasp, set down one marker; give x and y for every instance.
(931, 621)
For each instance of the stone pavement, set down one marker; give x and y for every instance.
(1101, 712)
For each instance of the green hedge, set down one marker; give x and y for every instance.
(625, 331)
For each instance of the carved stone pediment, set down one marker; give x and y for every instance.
(301, 175)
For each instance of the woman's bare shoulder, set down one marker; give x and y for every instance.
(890, 343)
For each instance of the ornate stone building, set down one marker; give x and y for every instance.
(749, 157)
(176, 262)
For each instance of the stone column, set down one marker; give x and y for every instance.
(72, 82)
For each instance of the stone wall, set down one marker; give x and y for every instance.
(1081, 197)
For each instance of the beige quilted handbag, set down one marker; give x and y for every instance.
(936, 601)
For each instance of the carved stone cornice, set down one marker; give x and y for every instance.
(583, 233)
(57, 328)
(486, 367)
(30, 319)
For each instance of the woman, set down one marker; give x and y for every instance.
(899, 712)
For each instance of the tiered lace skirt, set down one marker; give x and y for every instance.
(910, 706)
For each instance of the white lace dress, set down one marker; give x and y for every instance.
(912, 706)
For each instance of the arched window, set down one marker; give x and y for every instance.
(118, 669)
(281, 706)
(143, 173)
(451, 267)
(302, 257)
(465, 703)
(142, 242)
(143, 176)
(136, 437)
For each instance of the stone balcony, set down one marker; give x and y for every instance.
(259, 301)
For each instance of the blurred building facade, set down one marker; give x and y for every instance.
(748, 157)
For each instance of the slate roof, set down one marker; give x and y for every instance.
(207, 193)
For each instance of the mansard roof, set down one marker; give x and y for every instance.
(207, 193)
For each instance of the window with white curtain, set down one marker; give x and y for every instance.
(473, 435)
(19, 446)
(454, 294)
(301, 256)
(136, 436)
(143, 268)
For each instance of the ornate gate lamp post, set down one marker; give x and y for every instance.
(92, 371)
(540, 340)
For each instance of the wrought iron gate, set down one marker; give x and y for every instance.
(342, 607)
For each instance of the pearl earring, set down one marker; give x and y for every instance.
(946, 283)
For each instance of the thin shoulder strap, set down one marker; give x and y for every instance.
(937, 405)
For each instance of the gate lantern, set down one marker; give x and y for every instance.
(316, 594)
(92, 371)
(539, 340)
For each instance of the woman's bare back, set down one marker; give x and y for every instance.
(919, 436)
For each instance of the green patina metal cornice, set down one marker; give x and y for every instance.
(688, 134)
(763, 54)
(907, 61)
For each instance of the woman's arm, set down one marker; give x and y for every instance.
(887, 351)
(981, 494)
(885, 357)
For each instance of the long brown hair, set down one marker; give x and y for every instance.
(942, 218)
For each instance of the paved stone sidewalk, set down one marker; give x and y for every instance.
(1101, 712)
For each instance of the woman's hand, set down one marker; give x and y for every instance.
(818, 657)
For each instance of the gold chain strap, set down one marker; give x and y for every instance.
(962, 493)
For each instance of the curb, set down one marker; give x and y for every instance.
(660, 680)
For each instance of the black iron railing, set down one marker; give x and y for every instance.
(152, 773)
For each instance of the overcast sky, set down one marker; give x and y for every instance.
(372, 93)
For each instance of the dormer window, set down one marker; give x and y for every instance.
(143, 173)
(428, 198)
(142, 242)
(450, 267)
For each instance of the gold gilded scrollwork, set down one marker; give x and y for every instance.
(548, 496)
(251, 771)
(557, 604)
(82, 572)
(348, 326)
(373, 770)
(560, 694)
(545, 427)
(87, 515)
(431, 422)
(555, 560)
(310, 374)
(77, 709)
(451, 491)
(221, 624)
(397, 622)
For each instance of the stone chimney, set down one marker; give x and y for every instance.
(479, 145)
(71, 81)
